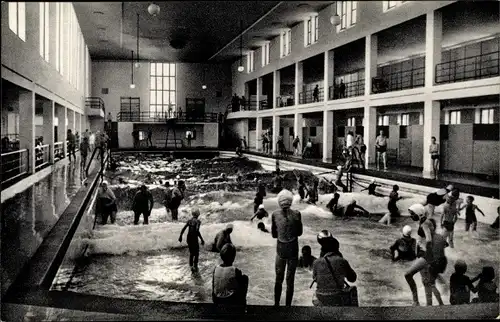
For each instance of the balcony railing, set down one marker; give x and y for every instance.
(307, 96)
(42, 156)
(399, 80)
(246, 105)
(162, 117)
(263, 105)
(14, 164)
(476, 67)
(284, 101)
(95, 103)
(58, 151)
(352, 89)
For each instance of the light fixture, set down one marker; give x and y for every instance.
(137, 64)
(204, 86)
(132, 85)
(240, 67)
(154, 9)
(335, 19)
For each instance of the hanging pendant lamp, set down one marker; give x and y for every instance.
(335, 19)
(240, 67)
(137, 64)
(132, 84)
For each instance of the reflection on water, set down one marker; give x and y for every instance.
(147, 262)
(28, 217)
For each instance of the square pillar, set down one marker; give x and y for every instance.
(371, 46)
(327, 136)
(78, 123)
(259, 91)
(49, 111)
(27, 126)
(433, 39)
(297, 129)
(299, 81)
(432, 120)
(276, 133)
(276, 87)
(258, 133)
(370, 133)
(83, 123)
(328, 80)
(62, 127)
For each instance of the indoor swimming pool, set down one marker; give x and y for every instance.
(148, 262)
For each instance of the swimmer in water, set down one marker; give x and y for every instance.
(307, 259)
(333, 205)
(435, 199)
(354, 210)
(301, 186)
(192, 239)
(313, 193)
(434, 260)
(460, 285)
(470, 213)
(260, 213)
(259, 196)
(392, 207)
(371, 189)
(262, 227)
(222, 238)
(404, 248)
(449, 218)
(496, 223)
(338, 178)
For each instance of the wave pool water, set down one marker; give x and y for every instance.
(148, 262)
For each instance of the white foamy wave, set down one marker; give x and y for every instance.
(118, 240)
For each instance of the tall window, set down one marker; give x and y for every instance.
(383, 120)
(453, 118)
(487, 115)
(391, 4)
(44, 30)
(286, 42)
(250, 61)
(162, 92)
(348, 12)
(58, 37)
(311, 32)
(404, 119)
(17, 18)
(265, 54)
(351, 121)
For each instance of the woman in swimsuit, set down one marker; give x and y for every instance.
(434, 151)
(433, 262)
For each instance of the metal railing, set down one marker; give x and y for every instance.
(14, 164)
(246, 105)
(352, 89)
(475, 67)
(399, 80)
(307, 96)
(42, 155)
(284, 101)
(95, 103)
(161, 117)
(263, 105)
(58, 151)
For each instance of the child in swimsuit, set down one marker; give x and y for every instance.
(470, 213)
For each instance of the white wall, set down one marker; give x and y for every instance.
(116, 76)
(211, 135)
(125, 134)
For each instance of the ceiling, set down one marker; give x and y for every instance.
(210, 29)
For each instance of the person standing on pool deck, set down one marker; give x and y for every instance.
(434, 152)
(381, 148)
(426, 230)
(286, 227)
(143, 204)
(192, 239)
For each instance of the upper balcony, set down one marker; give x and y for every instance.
(470, 68)
(95, 107)
(164, 117)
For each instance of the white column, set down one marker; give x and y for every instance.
(369, 135)
(276, 87)
(27, 126)
(276, 133)
(62, 127)
(49, 112)
(370, 62)
(433, 39)
(78, 123)
(297, 129)
(299, 81)
(432, 120)
(327, 136)
(328, 81)
(259, 91)
(258, 133)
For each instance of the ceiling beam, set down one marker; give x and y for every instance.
(246, 30)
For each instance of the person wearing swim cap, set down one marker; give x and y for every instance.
(404, 248)
(371, 189)
(229, 284)
(330, 272)
(286, 227)
(261, 213)
(222, 238)
(192, 238)
(434, 260)
(259, 196)
(262, 227)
